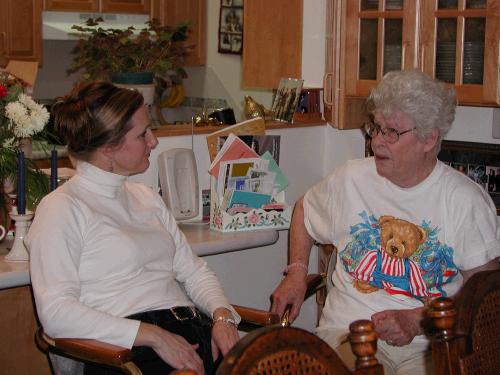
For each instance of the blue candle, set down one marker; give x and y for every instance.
(21, 196)
(53, 170)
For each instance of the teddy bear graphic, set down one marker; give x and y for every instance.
(389, 267)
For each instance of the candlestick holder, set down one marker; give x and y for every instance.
(19, 253)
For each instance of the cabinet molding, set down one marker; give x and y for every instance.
(104, 6)
(71, 5)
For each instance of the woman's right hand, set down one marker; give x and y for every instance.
(171, 348)
(291, 291)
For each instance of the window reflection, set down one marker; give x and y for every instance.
(446, 49)
(368, 49)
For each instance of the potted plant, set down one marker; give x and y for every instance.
(21, 118)
(130, 55)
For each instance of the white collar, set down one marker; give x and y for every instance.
(98, 180)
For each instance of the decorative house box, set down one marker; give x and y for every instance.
(254, 219)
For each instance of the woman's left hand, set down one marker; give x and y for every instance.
(398, 327)
(224, 334)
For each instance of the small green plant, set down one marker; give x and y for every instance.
(101, 52)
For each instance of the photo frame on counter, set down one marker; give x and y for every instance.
(479, 161)
(231, 27)
(286, 99)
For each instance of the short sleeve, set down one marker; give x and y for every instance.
(318, 211)
(477, 233)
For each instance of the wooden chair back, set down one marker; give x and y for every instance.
(288, 350)
(466, 332)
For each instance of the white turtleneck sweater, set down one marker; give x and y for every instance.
(101, 248)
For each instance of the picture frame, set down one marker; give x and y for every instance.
(231, 27)
(286, 99)
(479, 161)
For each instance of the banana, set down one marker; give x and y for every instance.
(180, 94)
(170, 98)
(175, 97)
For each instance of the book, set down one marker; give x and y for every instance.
(255, 126)
(233, 149)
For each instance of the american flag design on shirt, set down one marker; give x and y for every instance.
(423, 274)
(395, 275)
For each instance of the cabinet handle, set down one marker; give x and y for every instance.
(422, 58)
(403, 56)
(328, 97)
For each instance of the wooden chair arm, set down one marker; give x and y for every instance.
(89, 350)
(256, 317)
(94, 351)
(314, 282)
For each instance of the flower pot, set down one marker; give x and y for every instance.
(141, 81)
(133, 78)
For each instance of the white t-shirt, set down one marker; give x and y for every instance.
(344, 209)
(102, 248)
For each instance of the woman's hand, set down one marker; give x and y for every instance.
(224, 334)
(399, 327)
(171, 348)
(291, 291)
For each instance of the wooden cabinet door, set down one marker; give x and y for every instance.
(20, 30)
(72, 5)
(455, 41)
(18, 352)
(459, 45)
(126, 6)
(272, 42)
(380, 37)
(173, 12)
(365, 40)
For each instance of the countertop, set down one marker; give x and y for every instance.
(203, 241)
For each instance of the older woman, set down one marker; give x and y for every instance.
(407, 227)
(107, 259)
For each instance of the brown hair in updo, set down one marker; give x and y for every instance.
(94, 114)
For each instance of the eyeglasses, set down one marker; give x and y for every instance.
(391, 135)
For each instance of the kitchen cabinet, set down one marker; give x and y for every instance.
(104, 6)
(19, 353)
(20, 30)
(173, 12)
(272, 42)
(455, 41)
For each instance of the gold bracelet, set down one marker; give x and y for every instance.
(225, 320)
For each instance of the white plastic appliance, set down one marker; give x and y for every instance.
(179, 182)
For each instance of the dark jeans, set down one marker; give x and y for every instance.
(195, 330)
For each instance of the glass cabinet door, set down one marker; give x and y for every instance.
(380, 37)
(459, 45)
